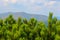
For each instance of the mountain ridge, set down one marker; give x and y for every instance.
(23, 15)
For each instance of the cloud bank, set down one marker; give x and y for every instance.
(30, 6)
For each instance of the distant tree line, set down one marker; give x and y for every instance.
(23, 29)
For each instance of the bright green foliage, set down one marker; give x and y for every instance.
(19, 22)
(57, 37)
(23, 29)
(38, 38)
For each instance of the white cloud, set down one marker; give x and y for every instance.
(9, 1)
(23, 2)
(37, 1)
(13, 1)
(30, 2)
(50, 3)
(5, 0)
(34, 8)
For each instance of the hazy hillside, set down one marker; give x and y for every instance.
(24, 15)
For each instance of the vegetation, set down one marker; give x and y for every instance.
(23, 29)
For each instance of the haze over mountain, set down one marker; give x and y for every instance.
(24, 15)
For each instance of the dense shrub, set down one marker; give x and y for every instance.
(23, 29)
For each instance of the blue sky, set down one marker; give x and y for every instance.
(31, 6)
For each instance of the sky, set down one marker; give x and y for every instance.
(42, 7)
